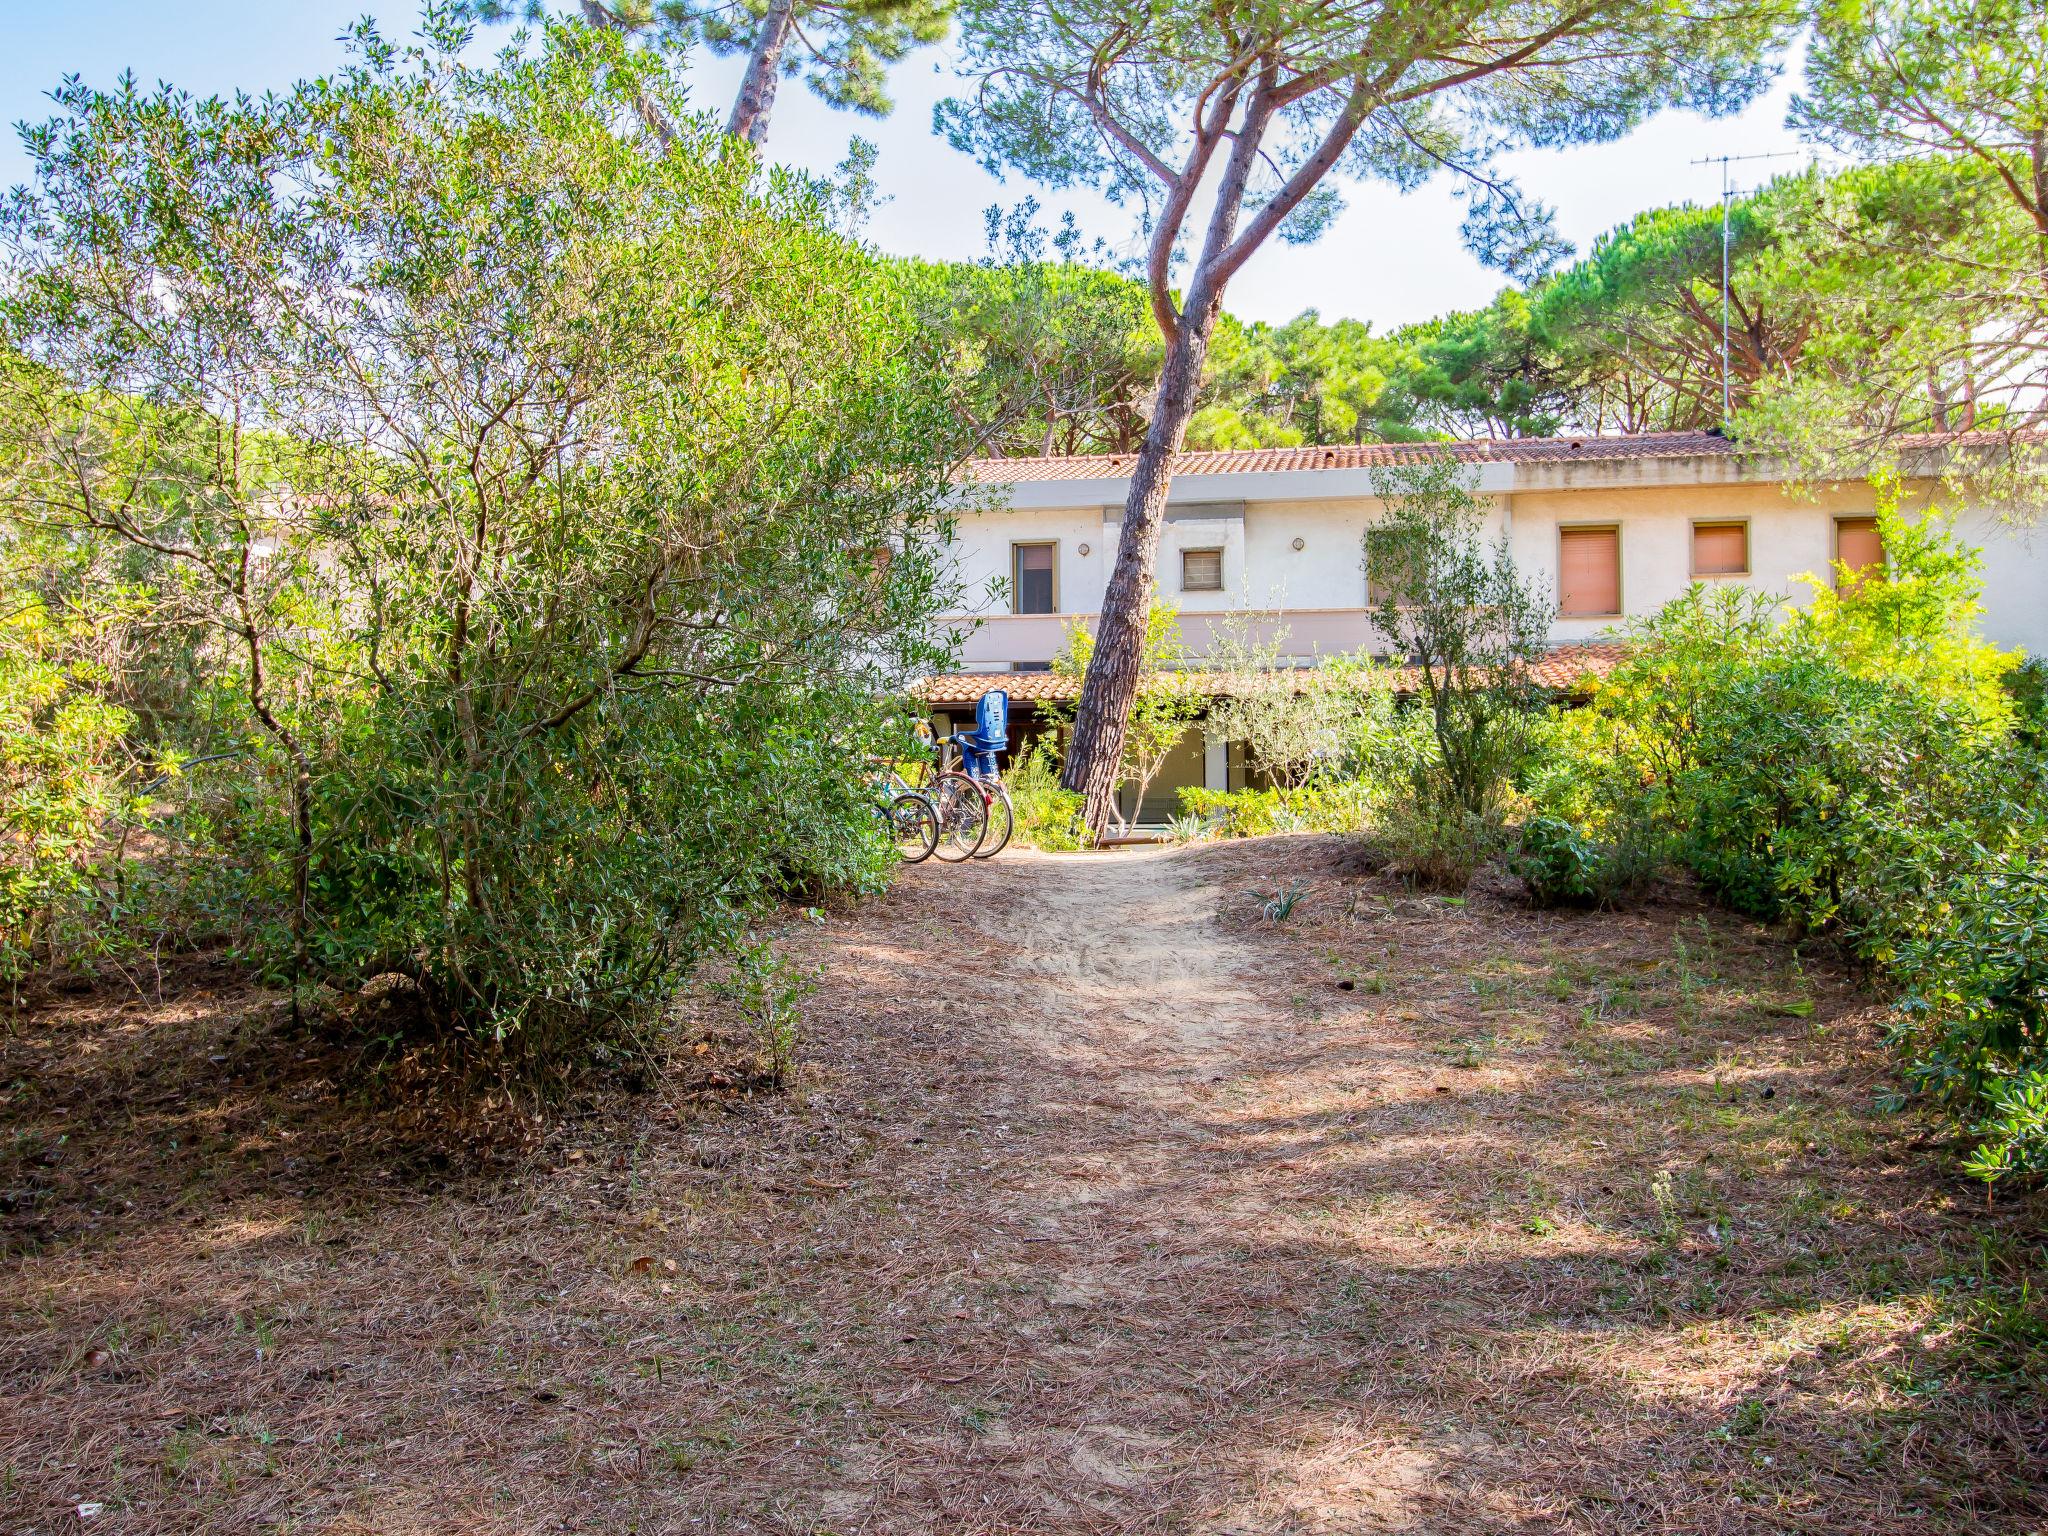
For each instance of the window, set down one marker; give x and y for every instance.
(1858, 545)
(1032, 588)
(1720, 549)
(1588, 573)
(877, 558)
(1382, 564)
(1201, 570)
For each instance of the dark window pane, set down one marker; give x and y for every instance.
(1032, 578)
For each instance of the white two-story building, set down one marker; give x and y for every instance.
(1272, 542)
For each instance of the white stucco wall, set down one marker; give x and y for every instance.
(1319, 590)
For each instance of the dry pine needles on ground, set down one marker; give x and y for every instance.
(1102, 1201)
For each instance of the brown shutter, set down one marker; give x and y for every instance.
(1720, 549)
(1588, 572)
(1857, 544)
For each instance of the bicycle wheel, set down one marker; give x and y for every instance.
(963, 815)
(915, 826)
(1002, 821)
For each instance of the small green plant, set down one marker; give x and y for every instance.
(1278, 904)
(1187, 828)
(1557, 863)
(770, 992)
(1434, 843)
(1048, 817)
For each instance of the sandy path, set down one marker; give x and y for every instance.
(1123, 964)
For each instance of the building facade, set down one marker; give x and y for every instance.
(1271, 544)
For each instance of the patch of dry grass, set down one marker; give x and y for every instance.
(1479, 1219)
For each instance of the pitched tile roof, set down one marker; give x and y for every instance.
(1514, 450)
(1566, 667)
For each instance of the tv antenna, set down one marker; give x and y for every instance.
(1727, 197)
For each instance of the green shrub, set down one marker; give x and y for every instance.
(70, 773)
(1048, 817)
(1863, 767)
(2027, 686)
(1973, 1018)
(1559, 864)
(550, 559)
(1435, 843)
(1563, 866)
(1343, 806)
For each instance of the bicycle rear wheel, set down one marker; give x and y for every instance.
(915, 826)
(963, 815)
(1002, 821)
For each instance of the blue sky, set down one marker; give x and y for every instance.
(1389, 259)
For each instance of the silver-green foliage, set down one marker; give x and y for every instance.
(1465, 619)
(549, 511)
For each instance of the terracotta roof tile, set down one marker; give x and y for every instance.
(1584, 449)
(1567, 666)
(1518, 450)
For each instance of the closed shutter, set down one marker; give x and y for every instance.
(1720, 549)
(1201, 570)
(1589, 572)
(1857, 544)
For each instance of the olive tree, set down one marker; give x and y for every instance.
(553, 555)
(1465, 620)
(1226, 124)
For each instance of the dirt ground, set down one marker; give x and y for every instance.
(1222, 1190)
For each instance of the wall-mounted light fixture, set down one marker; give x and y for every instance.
(1084, 549)
(1301, 543)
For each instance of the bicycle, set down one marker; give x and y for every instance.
(911, 819)
(980, 765)
(959, 805)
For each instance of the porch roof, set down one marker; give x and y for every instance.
(1566, 668)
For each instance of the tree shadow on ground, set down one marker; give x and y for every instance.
(1506, 1237)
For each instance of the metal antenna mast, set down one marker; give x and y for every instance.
(1727, 195)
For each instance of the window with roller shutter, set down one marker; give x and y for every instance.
(1588, 573)
(1859, 546)
(1201, 570)
(1034, 578)
(1720, 549)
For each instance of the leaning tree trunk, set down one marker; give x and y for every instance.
(1103, 719)
(756, 99)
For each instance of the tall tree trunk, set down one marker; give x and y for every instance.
(2037, 160)
(1103, 718)
(756, 99)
